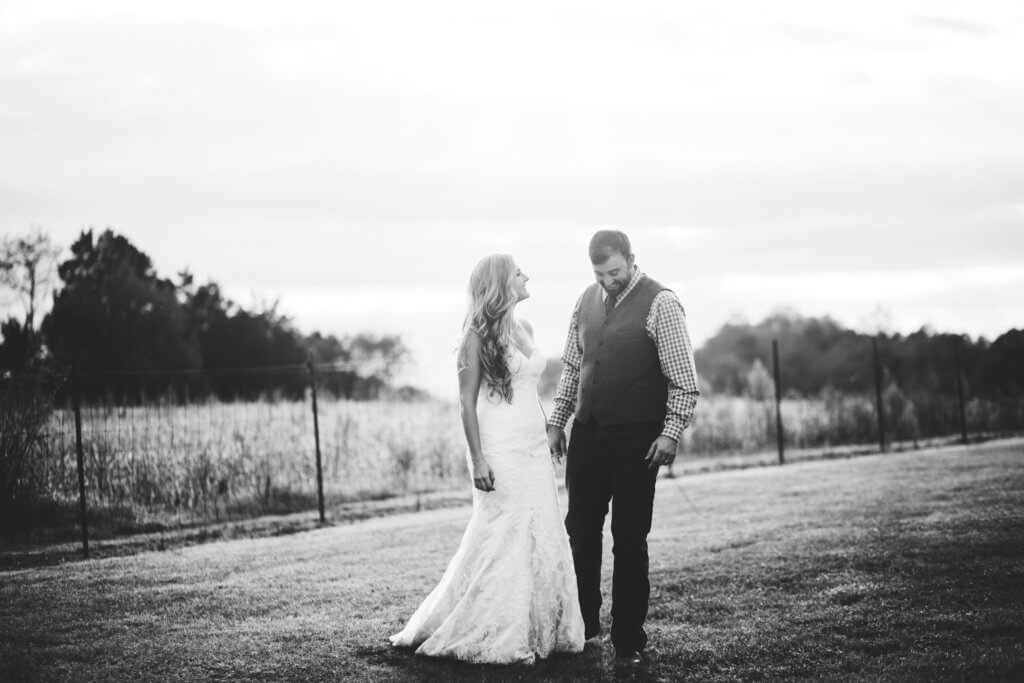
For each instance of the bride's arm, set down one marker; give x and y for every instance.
(469, 390)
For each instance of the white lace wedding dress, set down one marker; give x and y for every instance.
(509, 593)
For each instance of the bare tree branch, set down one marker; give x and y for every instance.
(27, 266)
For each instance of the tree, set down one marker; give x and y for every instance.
(816, 353)
(26, 269)
(17, 349)
(115, 313)
(759, 383)
(380, 357)
(231, 337)
(999, 369)
(329, 349)
(363, 365)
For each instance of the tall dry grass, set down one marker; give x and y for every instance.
(165, 463)
(215, 461)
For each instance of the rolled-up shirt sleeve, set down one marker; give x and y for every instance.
(568, 383)
(666, 326)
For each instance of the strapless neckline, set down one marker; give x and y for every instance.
(525, 355)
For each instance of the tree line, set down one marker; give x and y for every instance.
(113, 314)
(819, 354)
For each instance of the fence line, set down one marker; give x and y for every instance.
(879, 402)
(879, 407)
(316, 435)
(957, 342)
(164, 449)
(778, 403)
(147, 459)
(81, 466)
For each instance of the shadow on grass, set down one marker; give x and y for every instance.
(595, 663)
(27, 554)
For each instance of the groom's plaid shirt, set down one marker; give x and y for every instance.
(666, 326)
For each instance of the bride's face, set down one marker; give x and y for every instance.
(519, 285)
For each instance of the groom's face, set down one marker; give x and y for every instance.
(614, 274)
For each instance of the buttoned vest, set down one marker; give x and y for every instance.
(620, 375)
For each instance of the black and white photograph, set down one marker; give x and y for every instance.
(538, 341)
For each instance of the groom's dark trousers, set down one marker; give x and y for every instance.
(606, 464)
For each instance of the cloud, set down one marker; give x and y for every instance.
(349, 148)
(819, 37)
(964, 27)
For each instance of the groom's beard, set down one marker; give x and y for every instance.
(616, 289)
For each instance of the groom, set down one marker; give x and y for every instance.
(630, 379)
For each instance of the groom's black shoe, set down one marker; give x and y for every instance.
(629, 657)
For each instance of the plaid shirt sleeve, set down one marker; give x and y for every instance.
(565, 394)
(666, 326)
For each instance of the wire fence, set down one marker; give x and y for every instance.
(142, 458)
(104, 455)
(895, 410)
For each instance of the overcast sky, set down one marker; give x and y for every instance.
(354, 160)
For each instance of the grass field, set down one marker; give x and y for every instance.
(900, 566)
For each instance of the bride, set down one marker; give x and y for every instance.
(509, 594)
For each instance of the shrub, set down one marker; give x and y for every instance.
(25, 407)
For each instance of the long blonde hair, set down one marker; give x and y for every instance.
(492, 299)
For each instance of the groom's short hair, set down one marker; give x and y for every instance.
(604, 243)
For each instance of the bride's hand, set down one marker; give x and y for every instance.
(483, 476)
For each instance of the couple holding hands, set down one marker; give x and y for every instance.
(522, 585)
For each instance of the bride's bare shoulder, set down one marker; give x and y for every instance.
(525, 324)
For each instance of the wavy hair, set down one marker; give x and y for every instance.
(492, 298)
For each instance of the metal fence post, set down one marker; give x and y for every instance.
(316, 437)
(778, 401)
(83, 512)
(878, 394)
(960, 389)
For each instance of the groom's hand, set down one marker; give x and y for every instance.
(556, 442)
(661, 452)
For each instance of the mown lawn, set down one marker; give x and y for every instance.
(900, 566)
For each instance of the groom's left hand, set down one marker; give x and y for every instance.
(661, 452)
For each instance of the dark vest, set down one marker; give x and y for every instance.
(620, 376)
